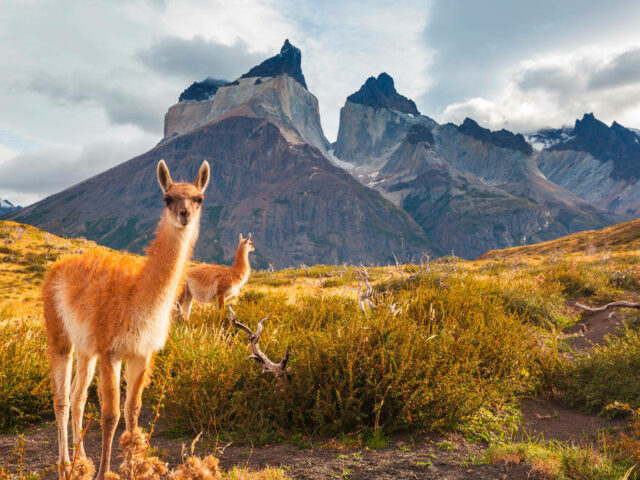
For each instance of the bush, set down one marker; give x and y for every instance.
(434, 365)
(557, 461)
(25, 393)
(608, 373)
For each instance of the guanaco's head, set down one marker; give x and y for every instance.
(183, 200)
(246, 243)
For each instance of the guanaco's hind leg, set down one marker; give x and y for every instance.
(60, 352)
(110, 411)
(61, 382)
(84, 374)
(221, 304)
(184, 303)
(136, 377)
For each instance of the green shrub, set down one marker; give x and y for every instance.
(558, 461)
(608, 373)
(25, 393)
(435, 365)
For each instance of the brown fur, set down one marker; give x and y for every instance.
(217, 283)
(112, 306)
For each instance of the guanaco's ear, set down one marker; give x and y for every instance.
(202, 180)
(164, 178)
(249, 237)
(240, 238)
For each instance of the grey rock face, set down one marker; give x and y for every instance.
(280, 99)
(600, 164)
(298, 206)
(6, 207)
(470, 189)
(368, 134)
(202, 91)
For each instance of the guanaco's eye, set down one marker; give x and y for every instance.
(198, 200)
(168, 200)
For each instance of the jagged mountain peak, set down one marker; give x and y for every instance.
(501, 138)
(7, 207)
(275, 90)
(202, 91)
(590, 125)
(288, 61)
(381, 93)
(616, 143)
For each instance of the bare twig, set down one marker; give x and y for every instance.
(77, 449)
(366, 290)
(621, 304)
(280, 369)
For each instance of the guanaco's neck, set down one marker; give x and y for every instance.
(166, 258)
(241, 263)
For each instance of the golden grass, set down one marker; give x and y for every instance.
(25, 255)
(450, 339)
(622, 237)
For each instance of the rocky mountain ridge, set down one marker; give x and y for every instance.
(600, 164)
(394, 182)
(470, 188)
(6, 207)
(202, 91)
(270, 175)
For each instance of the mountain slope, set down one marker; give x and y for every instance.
(470, 189)
(26, 253)
(268, 176)
(7, 207)
(623, 237)
(600, 164)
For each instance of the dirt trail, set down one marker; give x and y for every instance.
(548, 420)
(593, 328)
(416, 457)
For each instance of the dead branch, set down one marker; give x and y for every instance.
(620, 304)
(366, 290)
(280, 369)
(306, 268)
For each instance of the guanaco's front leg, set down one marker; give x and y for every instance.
(110, 411)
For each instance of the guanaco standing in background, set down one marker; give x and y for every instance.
(220, 283)
(111, 306)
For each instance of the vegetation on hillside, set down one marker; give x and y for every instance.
(450, 345)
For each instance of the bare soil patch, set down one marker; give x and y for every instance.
(551, 421)
(417, 457)
(593, 328)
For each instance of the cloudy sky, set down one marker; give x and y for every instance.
(85, 84)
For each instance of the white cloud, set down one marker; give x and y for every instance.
(27, 177)
(553, 90)
(81, 74)
(344, 43)
(198, 58)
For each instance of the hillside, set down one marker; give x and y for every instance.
(26, 253)
(457, 351)
(621, 238)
